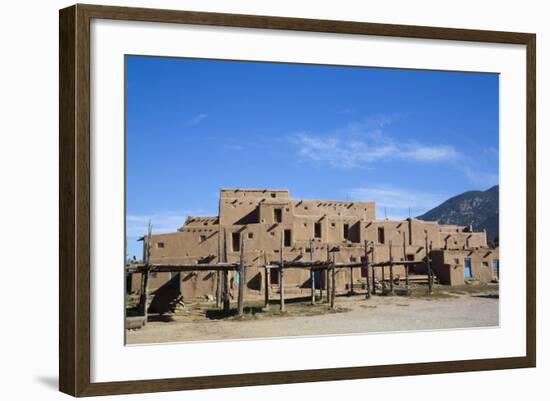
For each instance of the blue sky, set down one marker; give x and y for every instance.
(402, 138)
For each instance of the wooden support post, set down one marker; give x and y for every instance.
(327, 275)
(428, 267)
(242, 280)
(333, 288)
(144, 299)
(218, 273)
(391, 269)
(218, 288)
(383, 278)
(141, 291)
(266, 280)
(373, 270)
(282, 274)
(312, 273)
(366, 260)
(225, 295)
(351, 281)
(405, 259)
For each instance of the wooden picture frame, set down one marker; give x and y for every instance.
(74, 203)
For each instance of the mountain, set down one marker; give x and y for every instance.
(478, 208)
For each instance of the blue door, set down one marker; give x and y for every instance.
(467, 268)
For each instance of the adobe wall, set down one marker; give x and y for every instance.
(448, 265)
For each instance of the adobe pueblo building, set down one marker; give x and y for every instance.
(258, 224)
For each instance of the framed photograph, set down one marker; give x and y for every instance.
(250, 200)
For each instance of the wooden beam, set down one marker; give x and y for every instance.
(306, 264)
(165, 268)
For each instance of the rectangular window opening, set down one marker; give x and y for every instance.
(381, 238)
(346, 231)
(317, 231)
(288, 237)
(278, 215)
(236, 239)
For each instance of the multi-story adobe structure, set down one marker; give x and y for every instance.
(258, 218)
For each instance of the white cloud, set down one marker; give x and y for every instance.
(361, 143)
(397, 201)
(196, 120)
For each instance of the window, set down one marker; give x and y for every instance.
(236, 237)
(250, 235)
(160, 245)
(273, 195)
(278, 215)
(288, 237)
(346, 231)
(202, 238)
(317, 231)
(381, 238)
(274, 277)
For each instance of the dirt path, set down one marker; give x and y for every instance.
(375, 315)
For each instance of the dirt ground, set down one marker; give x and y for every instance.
(447, 308)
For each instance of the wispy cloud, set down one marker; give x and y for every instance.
(233, 147)
(397, 201)
(361, 143)
(164, 221)
(475, 176)
(196, 120)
